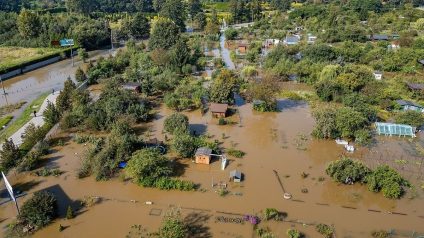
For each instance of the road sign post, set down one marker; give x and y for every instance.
(66, 43)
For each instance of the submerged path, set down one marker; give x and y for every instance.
(38, 120)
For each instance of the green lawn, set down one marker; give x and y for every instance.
(5, 120)
(219, 6)
(24, 118)
(14, 56)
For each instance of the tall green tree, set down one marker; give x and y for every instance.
(173, 226)
(9, 156)
(223, 87)
(176, 11)
(139, 27)
(180, 53)
(28, 24)
(194, 7)
(165, 34)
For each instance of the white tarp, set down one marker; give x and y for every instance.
(9, 187)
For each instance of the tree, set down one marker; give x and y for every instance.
(173, 226)
(199, 21)
(148, 163)
(348, 121)
(347, 170)
(265, 90)
(80, 76)
(412, 118)
(325, 118)
(51, 114)
(157, 4)
(63, 101)
(230, 34)
(83, 55)
(175, 10)
(38, 211)
(164, 34)
(9, 155)
(177, 122)
(282, 5)
(194, 7)
(223, 87)
(28, 24)
(184, 144)
(180, 53)
(212, 28)
(79, 6)
(138, 27)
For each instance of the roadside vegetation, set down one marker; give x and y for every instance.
(26, 115)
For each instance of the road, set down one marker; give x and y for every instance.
(29, 86)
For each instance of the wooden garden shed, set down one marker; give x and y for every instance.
(203, 155)
(218, 110)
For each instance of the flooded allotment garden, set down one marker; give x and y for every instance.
(283, 168)
(278, 146)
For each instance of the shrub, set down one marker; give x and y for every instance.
(293, 233)
(38, 211)
(176, 122)
(69, 213)
(236, 153)
(347, 170)
(387, 180)
(51, 114)
(270, 213)
(30, 161)
(363, 137)
(380, 234)
(325, 230)
(173, 226)
(222, 121)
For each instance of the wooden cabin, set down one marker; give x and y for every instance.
(242, 48)
(218, 110)
(203, 155)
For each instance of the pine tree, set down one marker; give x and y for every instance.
(9, 156)
(69, 213)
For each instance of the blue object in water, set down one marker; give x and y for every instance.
(122, 165)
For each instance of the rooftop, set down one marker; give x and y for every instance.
(379, 37)
(292, 39)
(235, 173)
(408, 103)
(416, 86)
(218, 107)
(203, 151)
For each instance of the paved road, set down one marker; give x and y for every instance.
(38, 120)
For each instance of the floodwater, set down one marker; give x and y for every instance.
(277, 141)
(272, 141)
(29, 86)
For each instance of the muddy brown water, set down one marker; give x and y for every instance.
(29, 86)
(272, 141)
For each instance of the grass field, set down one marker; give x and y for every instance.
(13, 56)
(24, 118)
(5, 120)
(219, 6)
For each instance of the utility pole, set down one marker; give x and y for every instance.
(4, 91)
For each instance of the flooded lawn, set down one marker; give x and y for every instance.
(272, 141)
